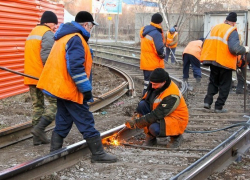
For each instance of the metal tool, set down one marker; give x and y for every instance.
(173, 55)
(16, 72)
(119, 132)
(29, 76)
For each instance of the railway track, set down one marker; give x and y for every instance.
(20, 132)
(196, 158)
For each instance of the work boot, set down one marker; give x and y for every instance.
(241, 91)
(220, 110)
(150, 140)
(175, 141)
(56, 142)
(38, 130)
(98, 154)
(207, 106)
(36, 141)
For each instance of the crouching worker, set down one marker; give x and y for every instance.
(67, 76)
(162, 111)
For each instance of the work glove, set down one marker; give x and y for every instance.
(87, 95)
(130, 124)
(247, 49)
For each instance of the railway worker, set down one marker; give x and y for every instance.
(152, 48)
(171, 44)
(37, 48)
(220, 50)
(162, 111)
(191, 55)
(67, 76)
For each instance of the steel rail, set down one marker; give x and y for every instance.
(205, 71)
(64, 157)
(182, 85)
(222, 155)
(16, 133)
(59, 159)
(230, 149)
(116, 47)
(131, 85)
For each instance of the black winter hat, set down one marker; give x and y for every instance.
(157, 18)
(159, 75)
(84, 16)
(49, 17)
(232, 17)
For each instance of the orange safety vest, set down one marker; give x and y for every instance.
(149, 59)
(33, 64)
(176, 122)
(170, 39)
(194, 48)
(215, 47)
(55, 77)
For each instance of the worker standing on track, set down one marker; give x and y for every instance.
(220, 50)
(162, 111)
(152, 48)
(171, 44)
(191, 55)
(37, 48)
(67, 76)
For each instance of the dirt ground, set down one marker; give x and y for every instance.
(17, 109)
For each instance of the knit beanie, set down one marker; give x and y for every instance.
(159, 75)
(84, 16)
(49, 17)
(157, 18)
(232, 17)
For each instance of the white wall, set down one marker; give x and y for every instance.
(213, 18)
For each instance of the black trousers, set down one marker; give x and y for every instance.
(195, 63)
(219, 81)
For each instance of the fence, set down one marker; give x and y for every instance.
(17, 19)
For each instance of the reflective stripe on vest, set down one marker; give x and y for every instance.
(225, 37)
(176, 122)
(62, 85)
(170, 39)
(149, 59)
(33, 64)
(215, 47)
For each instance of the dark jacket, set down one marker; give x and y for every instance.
(156, 34)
